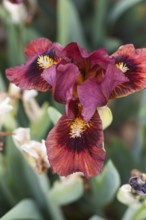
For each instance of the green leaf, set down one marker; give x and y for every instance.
(5, 190)
(10, 122)
(135, 212)
(25, 183)
(105, 185)
(99, 21)
(111, 43)
(121, 7)
(54, 115)
(2, 83)
(3, 14)
(14, 44)
(124, 166)
(69, 26)
(26, 209)
(43, 123)
(67, 191)
(141, 213)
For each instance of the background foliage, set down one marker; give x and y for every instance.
(93, 24)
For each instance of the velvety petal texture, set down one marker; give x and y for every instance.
(132, 62)
(26, 78)
(92, 86)
(49, 75)
(73, 53)
(90, 96)
(42, 54)
(65, 80)
(93, 93)
(76, 146)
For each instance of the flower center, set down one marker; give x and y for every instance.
(122, 66)
(45, 61)
(77, 127)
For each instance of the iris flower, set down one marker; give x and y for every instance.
(42, 56)
(132, 63)
(83, 83)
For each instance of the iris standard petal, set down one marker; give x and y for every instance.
(66, 77)
(74, 52)
(90, 96)
(93, 94)
(49, 75)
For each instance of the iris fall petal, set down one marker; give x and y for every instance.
(132, 63)
(37, 46)
(42, 55)
(71, 149)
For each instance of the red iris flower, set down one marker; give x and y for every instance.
(83, 82)
(75, 145)
(42, 56)
(132, 63)
(87, 77)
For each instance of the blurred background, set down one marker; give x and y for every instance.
(93, 24)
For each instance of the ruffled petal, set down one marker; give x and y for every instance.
(74, 52)
(99, 57)
(76, 151)
(37, 46)
(93, 94)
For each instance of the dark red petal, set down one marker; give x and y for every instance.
(37, 47)
(99, 57)
(26, 79)
(74, 54)
(71, 108)
(76, 154)
(65, 79)
(113, 78)
(93, 94)
(49, 75)
(90, 96)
